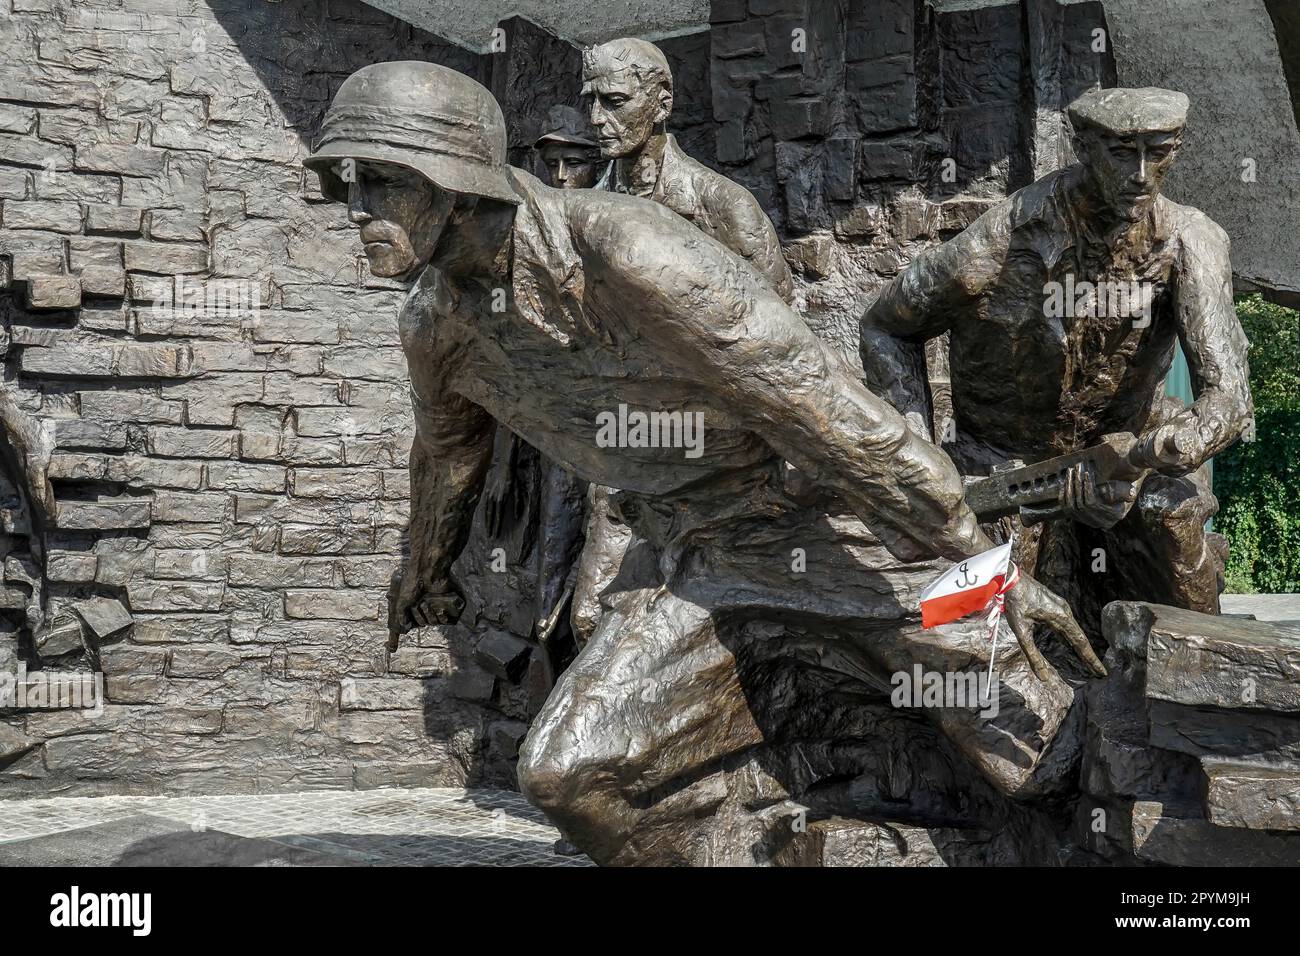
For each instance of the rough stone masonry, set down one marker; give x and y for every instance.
(230, 472)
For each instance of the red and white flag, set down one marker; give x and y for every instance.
(973, 585)
(968, 587)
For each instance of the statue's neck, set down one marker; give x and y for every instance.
(479, 247)
(639, 174)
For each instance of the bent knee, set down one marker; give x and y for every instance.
(542, 773)
(1175, 503)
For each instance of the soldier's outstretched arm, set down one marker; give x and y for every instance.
(717, 324)
(449, 459)
(748, 232)
(1215, 347)
(919, 304)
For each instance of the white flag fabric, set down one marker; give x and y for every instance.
(967, 587)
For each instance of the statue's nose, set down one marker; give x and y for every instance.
(356, 208)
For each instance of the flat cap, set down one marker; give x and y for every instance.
(1126, 112)
(564, 124)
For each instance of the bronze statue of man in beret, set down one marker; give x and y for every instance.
(1065, 304)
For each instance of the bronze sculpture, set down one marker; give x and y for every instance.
(568, 150)
(568, 154)
(521, 311)
(1064, 303)
(629, 84)
(630, 87)
(25, 450)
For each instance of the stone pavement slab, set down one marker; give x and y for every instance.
(1265, 607)
(144, 840)
(407, 827)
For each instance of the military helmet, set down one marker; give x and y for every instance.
(424, 117)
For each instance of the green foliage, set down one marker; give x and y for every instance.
(1274, 334)
(1258, 484)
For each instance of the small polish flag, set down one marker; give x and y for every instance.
(968, 587)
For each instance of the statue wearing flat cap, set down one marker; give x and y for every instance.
(1065, 304)
(562, 314)
(568, 150)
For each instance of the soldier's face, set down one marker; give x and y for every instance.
(569, 166)
(625, 111)
(401, 215)
(1127, 172)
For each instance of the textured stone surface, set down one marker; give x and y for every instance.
(839, 842)
(103, 617)
(1178, 782)
(888, 112)
(1223, 662)
(228, 399)
(413, 827)
(1175, 840)
(1254, 797)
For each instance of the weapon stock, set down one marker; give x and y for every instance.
(1014, 486)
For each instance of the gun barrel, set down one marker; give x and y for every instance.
(1005, 492)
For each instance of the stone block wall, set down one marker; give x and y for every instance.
(870, 130)
(230, 472)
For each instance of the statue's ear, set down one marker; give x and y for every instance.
(665, 104)
(1080, 147)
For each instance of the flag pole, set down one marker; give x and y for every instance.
(995, 615)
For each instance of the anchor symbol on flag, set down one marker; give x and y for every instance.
(976, 584)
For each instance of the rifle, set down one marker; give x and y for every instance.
(1013, 484)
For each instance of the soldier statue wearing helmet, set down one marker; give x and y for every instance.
(549, 310)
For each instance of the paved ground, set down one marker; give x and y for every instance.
(422, 827)
(327, 828)
(1265, 607)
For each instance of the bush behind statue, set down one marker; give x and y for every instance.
(1258, 484)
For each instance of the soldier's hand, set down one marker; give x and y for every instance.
(416, 602)
(1086, 500)
(1173, 448)
(504, 494)
(1028, 603)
